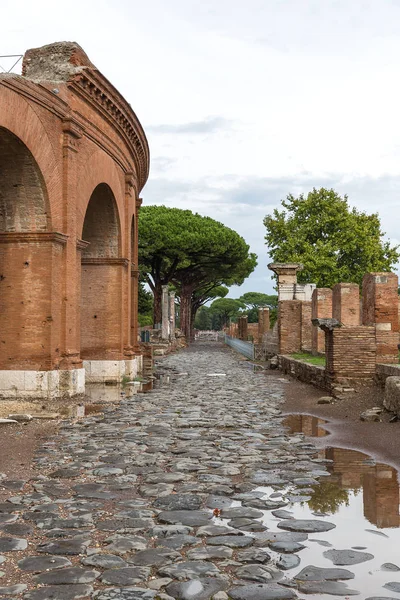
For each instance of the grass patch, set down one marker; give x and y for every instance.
(309, 358)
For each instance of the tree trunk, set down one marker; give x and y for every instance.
(186, 306)
(157, 308)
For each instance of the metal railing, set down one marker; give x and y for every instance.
(211, 336)
(245, 348)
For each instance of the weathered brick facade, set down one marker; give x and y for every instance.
(350, 355)
(73, 160)
(289, 326)
(321, 309)
(346, 303)
(380, 307)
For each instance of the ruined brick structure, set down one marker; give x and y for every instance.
(73, 160)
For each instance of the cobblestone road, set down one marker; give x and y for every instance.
(159, 497)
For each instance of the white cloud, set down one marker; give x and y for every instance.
(246, 102)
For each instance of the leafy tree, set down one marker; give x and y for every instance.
(195, 253)
(334, 242)
(226, 309)
(255, 300)
(203, 320)
(145, 305)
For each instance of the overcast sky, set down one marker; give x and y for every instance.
(245, 102)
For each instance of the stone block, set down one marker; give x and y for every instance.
(392, 395)
(12, 380)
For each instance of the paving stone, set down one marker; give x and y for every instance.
(104, 561)
(232, 541)
(286, 547)
(60, 592)
(9, 544)
(68, 547)
(312, 573)
(347, 557)
(127, 593)
(154, 557)
(12, 590)
(37, 564)
(261, 573)
(393, 586)
(306, 526)
(192, 518)
(197, 589)
(256, 591)
(209, 553)
(288, 561)
(68, 575)
(189, 570)
(332, 588)
(125, 576)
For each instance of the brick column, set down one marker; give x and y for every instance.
(321, 309)
(134, 323)
(263, 322)
(306, 327)
(70, 334)
(346, 304)
(380, 308)
(165, 313)
(172, 314)
(289, 326)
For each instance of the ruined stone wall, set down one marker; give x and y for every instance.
(313, 374)
(350, 355)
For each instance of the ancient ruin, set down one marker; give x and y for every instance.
(73, 161)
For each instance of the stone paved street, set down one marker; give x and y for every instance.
(156, 498)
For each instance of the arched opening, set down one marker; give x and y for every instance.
(101, 303)
(23, 198)
(26, 259)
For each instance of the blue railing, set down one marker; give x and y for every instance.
(245, 348)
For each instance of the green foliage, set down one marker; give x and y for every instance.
(254, 300)
(327, 497)
(203, 320)
(226, 309)
(145, 305)
(334, 242)
(196, 253)
(309, 358)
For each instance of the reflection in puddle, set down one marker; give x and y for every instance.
(361, 497)
(159, 380)
(307, 424)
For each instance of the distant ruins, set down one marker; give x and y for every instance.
(358, 337)
(73, 161)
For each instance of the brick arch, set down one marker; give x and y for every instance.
(21, 120)
(100, 169)
(102, 227)
(23, 196)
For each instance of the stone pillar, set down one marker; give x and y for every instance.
(165, 313)
(346, 304)
(306, 326)
(380, 308)
(244, 334)
(172, 314)
(287, 279)
(263, 322)
(321, 309)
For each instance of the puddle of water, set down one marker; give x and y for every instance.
(307, 424)
(152, 384)
(361, 497)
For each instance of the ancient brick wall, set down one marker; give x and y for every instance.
(380, 307)
(56, 149)
(346, 303)
(321, 309)
(350, 355)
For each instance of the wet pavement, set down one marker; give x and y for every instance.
(199, 488)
